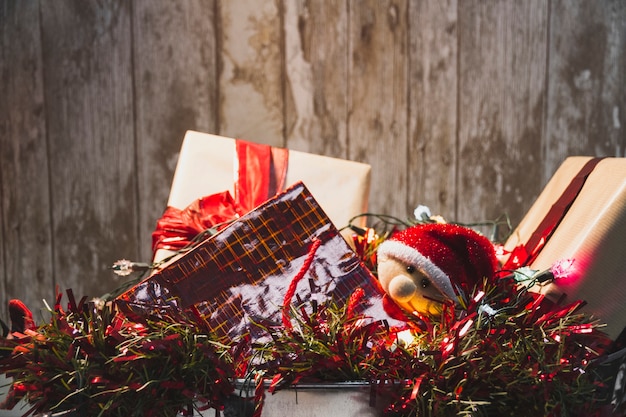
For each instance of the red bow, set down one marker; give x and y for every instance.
(261, 172)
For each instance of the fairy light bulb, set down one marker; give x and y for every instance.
(563, 268)
(559, 270)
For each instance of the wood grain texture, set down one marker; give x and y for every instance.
(378, 94)
(468, 107)
(502, 58)
(587, 79)
(175, 72)
(316, 76)
(433, 37)
(26, 270)
(89, 113)
(251, 79)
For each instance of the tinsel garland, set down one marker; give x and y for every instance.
(502, 351)
(327, 343)
(508, 353)
(92, 361)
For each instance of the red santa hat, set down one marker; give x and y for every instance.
(455, 258)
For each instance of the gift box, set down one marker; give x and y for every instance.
(242, 272)
(581, 216)
(210, 164)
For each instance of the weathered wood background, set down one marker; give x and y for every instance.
(465, 106)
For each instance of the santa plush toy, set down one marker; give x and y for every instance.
(424, 265)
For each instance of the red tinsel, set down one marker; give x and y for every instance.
(509, 352)
(94, 361)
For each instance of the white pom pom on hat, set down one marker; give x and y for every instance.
(455, 258)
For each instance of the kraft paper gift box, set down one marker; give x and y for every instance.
(242, 272)
(208, 164)
(591, 232)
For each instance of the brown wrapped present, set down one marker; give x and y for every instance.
(581, 216)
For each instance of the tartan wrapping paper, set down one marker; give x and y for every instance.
(243, 271)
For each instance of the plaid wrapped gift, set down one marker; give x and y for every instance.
(243, 271)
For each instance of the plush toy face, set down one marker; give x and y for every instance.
(409, 287)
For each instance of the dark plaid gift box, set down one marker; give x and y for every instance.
(243, 271)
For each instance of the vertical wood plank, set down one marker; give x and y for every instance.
(251, 78)
(26, 257)
(587, 79)
(363, 81)
(433, 51)
(378, 98)
(89, 107)
(174, 56)
(502, 53)
(316, 61)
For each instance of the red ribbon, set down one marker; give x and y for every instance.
(525, 254)
(259, 175)
(294, 282)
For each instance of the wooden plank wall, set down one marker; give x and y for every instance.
(467, 107)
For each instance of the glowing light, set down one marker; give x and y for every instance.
(479, 296)
(563, 268)
(371, 235)
(123, 267)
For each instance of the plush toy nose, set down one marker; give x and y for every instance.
(402, 288)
